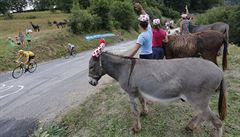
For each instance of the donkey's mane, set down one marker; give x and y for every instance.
(121, 56)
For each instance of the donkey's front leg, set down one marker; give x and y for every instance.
(136, 115)
(144, 106)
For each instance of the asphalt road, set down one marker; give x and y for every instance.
(54, 88)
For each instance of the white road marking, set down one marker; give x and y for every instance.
(20, 86)
(2, 86)
(7, 88)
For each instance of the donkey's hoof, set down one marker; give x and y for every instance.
(144, 113)
(190, 127)
(136, 130)
(216, 132)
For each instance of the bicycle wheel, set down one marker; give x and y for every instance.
(17, 72)
(32, 67)
(67, 55)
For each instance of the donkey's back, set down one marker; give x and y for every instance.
(176, 78)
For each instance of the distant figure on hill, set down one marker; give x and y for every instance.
(11, 43)
(18, 40)
(21, 38)
(28, 38)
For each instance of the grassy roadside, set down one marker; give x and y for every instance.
(50, 42)
(107, 114)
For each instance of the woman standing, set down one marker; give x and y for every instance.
(144, 41)
(159, 35)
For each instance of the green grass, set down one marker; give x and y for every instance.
(107, 114)
(49, 42)
(21, 21)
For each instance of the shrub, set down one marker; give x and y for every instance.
(101, 8)
(170, 13)
(153, 13)
(82, 21)
(228, 14)
(8, 16)
(123, 13)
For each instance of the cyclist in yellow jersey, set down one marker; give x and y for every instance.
(28, 55)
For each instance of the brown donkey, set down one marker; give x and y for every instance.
(191, 79)
(205, 44)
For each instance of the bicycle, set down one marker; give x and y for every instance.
(69, 53)
(22, 68)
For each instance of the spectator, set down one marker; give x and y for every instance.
(21, 38)
(11, 43)
(28, 38)
(184, 24)
(144, 41)
(159, 35)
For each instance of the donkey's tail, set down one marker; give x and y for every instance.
(222, 102)
(225, 52)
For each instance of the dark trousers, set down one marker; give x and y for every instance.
(145, 56)
(158, 53)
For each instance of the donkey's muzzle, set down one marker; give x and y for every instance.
(93, 82)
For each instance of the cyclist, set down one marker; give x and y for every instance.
(28, 55)
(71, 48)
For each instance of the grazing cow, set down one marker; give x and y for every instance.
(36, 28)
(60, 23)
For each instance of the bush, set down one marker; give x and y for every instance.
(8, 16)
(228, 14)
(101, 8)
(153, 13)
(82, 21)
(170, 13)
(122, 12)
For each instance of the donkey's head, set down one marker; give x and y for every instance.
(95, 66)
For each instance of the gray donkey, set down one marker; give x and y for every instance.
(191, 79)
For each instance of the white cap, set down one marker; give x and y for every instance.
(143, 17)
(184, 15)
(156, 21)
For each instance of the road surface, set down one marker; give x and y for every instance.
(54, 88)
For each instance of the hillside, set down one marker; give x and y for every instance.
(50, 41)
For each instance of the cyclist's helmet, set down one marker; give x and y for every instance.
(156, 22)
(20, 51)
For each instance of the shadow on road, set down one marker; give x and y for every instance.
(18, 128)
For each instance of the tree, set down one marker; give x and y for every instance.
(17, 5)
(4, 6)
(102, 8)
(81, 20)
(64, 5)
(201, 5)
(84, 3)
(123, 13)
(44, 4)
(177, 5)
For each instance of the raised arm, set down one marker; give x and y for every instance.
(139, 8)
